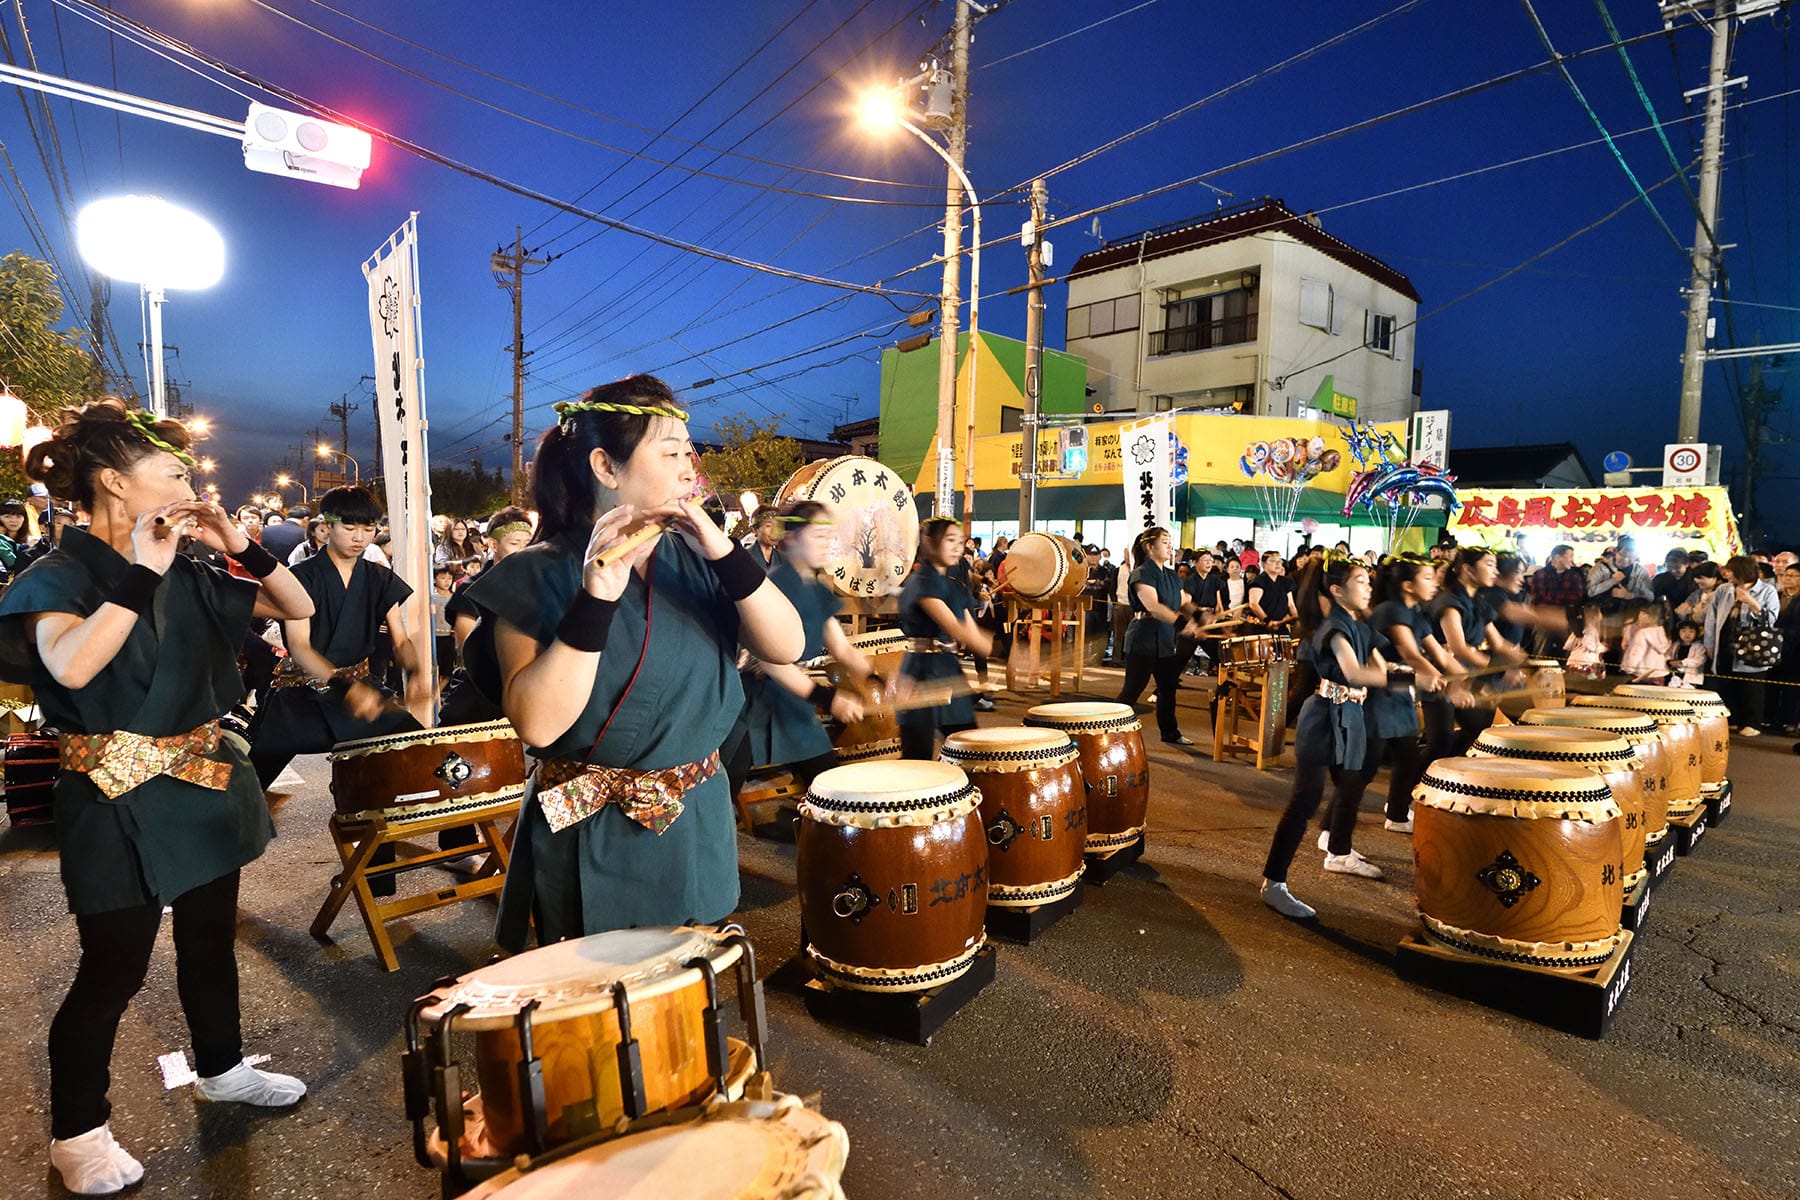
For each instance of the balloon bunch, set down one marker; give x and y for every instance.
(1388, 486)
(1178, 461)
(1281, 467)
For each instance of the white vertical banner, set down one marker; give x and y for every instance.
(393, 278)
(1148, 497)
(1428, 442)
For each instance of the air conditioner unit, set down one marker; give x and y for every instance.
(285, 143)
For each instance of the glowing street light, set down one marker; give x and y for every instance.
(881, 112)
(148, 241)
(199, 425)
(283, 481)
(327, 452)
(208, 466)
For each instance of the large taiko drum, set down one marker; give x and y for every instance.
(1642, 734)
(429, 772)
(566, 1004)
(1033, 808)
(1115, 773)
(892, 864)
(744, 1150)
(874, 524)
(1679, 722)
(877, 735)
(1519, 861)
(1605, 754)
(1715, 726)
(1044, 568)
(1549, 681)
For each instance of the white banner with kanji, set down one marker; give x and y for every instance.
(1144, 447)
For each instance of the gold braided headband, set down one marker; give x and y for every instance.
(331, 518)
(502, 531)
(144, 425)
(793, 523)
(568, 408)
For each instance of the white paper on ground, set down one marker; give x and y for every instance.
(287, 781)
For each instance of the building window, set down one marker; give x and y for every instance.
(1206, 322)
(1381, 333)
(1120, 315)
(1316, 304)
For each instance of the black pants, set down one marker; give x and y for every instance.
(919, 742)
(1309, 789)
(1470, 723)
(1407, 767)
(1139, 669)
(115, 954)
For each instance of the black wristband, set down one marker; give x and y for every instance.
(822, 695)
(256, 559)
(585, 623)
(738, 573)
(135, 589)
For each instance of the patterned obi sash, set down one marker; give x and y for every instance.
(570, 791)
(118, 762)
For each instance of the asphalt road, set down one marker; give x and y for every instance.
(1172, 1037)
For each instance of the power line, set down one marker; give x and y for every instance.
(489, 177)
(1061, 37)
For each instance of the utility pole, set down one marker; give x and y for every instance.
(1706, 248)
(509, 273)
(1034, 360)
(342, 410)
(956, 139)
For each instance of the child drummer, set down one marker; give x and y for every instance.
(937, 618)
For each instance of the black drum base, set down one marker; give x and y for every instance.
(1102, 867)
(1718, 805)
(1659, 859)
(1583, 1002)
(1021, 925)
(1636, 909)
(906, 1017)
(1687, 831)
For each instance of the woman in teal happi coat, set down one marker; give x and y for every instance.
(629, 667)
(132, 648)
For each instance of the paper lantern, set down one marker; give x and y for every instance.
(37, 435)
(12, 419)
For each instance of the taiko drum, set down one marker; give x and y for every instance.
(1033, 808)
(1115, 773)
(1679, 722)
(1605, 754)
(429, 772)
(1519, 861)
(1642, 733)
(877, 734)
(1715, 725)
(1044, 567)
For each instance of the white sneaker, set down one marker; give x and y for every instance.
(1398, 826)
(1325, 840)
(244, 1084)
(94, 1164)
(1749, 731)
(1352, 864)
(1277, 897)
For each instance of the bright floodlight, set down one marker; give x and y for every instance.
(147, 240)
(879, 110)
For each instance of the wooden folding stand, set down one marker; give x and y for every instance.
(1043, 624)
(765, 785)
(358, 838)
(1251, 720)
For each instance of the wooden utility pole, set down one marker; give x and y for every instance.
(1706, 249)
(1034, 359)
(956, 138)
(509, 273)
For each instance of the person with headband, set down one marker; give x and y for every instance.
(614, 655)
(937, 616)
(781, 725)
(1466, 620)
(508, 532)
(131, 648)
(1150, 640)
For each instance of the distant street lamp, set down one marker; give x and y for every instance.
(327, 452)
(881, 111)
(148, 241)
(282, 481)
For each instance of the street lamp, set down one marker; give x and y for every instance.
(880, 111)
(148, 241)
(327, 452)
(282, 481)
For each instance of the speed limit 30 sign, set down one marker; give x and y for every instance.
(1684, 464)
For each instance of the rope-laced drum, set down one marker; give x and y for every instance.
(1715, 726)
(1115, 773)
(877, 735)
(619, 1024)
(1043, 568)
(1549, 681)
(1519, 861)
(1679, 722)
(874, 523)
(1033, 807)
(428, 773)
(892, 864)
(1643, 734)
(1605, 754)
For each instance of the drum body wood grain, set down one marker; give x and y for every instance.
(1033, 807)
(1679, 722)
(1607, 755)
(1115, 772)
(1518, 861)
(411, 776)
(892, 865)
(1715, 726)
(567, 993)
(1045, 567)
(1642, 734)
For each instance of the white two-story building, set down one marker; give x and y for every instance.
(1248, 309)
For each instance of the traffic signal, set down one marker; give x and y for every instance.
(1072, 441)
(287, 143)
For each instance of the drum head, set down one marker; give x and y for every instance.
(1666, 712)
(578, 974)
(1513, 787)
(750, 1150)
(1000, 739)
(1081, 713)
(1623, 722)
(875, 525)
(1700, 698)
(1547, 743)
(903, 792)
